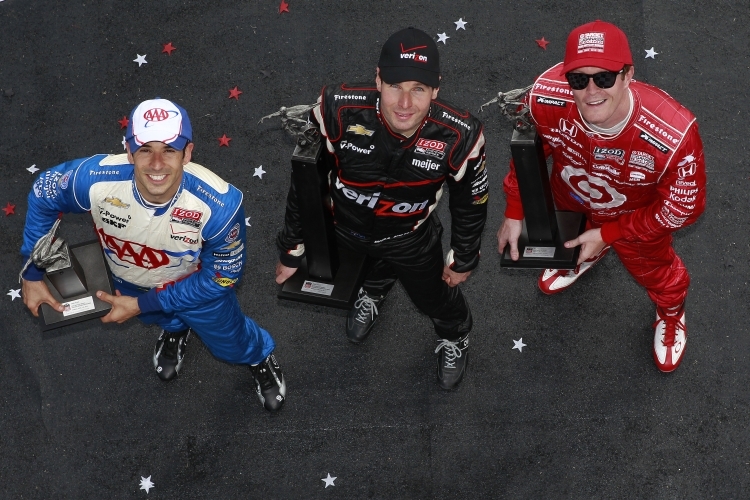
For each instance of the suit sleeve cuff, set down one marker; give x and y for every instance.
(513, 208)
(611, 232)
(149, 302)
(33, 273)
(290, 260)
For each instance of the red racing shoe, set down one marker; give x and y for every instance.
(553, 281)
(670, 337)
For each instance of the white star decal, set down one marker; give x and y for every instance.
(32, 168)
(442, 37)
(146, 483)
(460, 24)
(141, 60)
(651, 53)
(519, 344)
(259, 172)
(247, 221)
(14, 294)
(329, 480)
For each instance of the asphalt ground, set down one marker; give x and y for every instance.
(580, 412)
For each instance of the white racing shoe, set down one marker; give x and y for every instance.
(553, 281)
(670, 338)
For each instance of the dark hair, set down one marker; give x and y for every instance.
(626, 70)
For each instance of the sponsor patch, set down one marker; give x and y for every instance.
(113, 219)
(568, 128)
(425, 164)
(431, 147)
(651, 140)
(549, 101)
(617, 155)
(231, 253)
(641, 159)
(590, 42)
(637, 176)
(480, 201)
(64, 179)
(46, 184)
(687, 167)
(223, 280)
(190, 218)
(233, 233)
(606, 168)
(116, 202)
(359, 130)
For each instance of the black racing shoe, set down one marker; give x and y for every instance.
(169, 353)
(269, 383)
(452, 361)
(362, 316)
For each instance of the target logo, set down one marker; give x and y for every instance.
(594, 190)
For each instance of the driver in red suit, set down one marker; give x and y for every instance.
(628, 156)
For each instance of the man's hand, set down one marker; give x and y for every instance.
(452, 277)
(36, 293)
(283, 273)
(591, 244)
(123, 307)
(509, 233)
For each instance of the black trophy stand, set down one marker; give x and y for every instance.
(545, 230)
(75, 287)
(329, 275)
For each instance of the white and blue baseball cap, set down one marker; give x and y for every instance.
(159, 120)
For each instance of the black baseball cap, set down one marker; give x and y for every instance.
(410, 55)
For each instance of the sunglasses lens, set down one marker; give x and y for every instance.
(577, 81)
(605, 79)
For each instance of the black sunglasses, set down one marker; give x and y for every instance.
(603, 80)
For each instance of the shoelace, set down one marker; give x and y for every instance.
(452, 351)
(671, 323)
(366, 306)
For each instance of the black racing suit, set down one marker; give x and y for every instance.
(384, 188)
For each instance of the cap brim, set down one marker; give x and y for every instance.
(398, 74)
(595, 62)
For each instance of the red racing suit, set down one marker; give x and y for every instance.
(638, 186)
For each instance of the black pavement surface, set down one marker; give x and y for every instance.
(582, 412)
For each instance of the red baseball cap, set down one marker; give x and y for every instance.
(598, 44)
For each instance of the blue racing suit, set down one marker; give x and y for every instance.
(180, 260)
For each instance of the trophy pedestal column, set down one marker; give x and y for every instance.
(329, 275)
(545, 230)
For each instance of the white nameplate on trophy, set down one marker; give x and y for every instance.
(539, 252)
(316, 287)
(78, 306)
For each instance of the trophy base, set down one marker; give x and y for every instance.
(83, 306)
(340, 293)
(552, 255)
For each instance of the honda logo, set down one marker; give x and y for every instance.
(568, 128)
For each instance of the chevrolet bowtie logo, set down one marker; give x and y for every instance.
(360, 130)
(116, 202)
